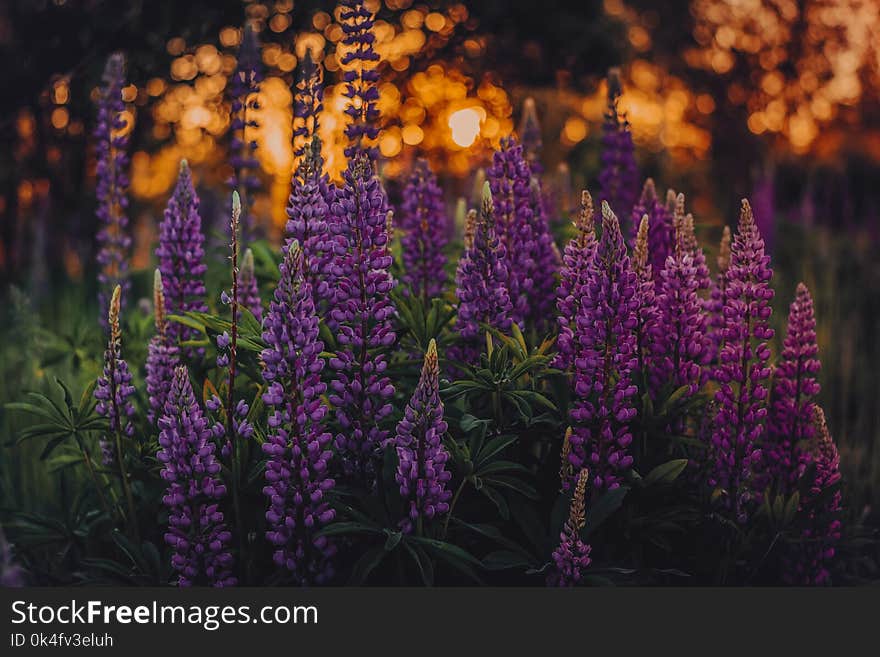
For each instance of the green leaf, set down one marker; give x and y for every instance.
(605, 506)
(666, 473)
(393, 540)
(366, 565)
(497, 499)
(504, 560)
(343, 528)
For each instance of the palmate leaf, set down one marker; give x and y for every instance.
(666, 473)
(459, 559)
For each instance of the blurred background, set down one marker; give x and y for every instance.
(777, 100)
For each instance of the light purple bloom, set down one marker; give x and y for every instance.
(197, 531)
(423, 220)
(163, 356)
(619, 174)
(572, 556)
(297, 446)
(661, 231)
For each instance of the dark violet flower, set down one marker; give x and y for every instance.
(361, 391)
(647, 314)
(715, 304)
(114, 390)
(661, 231)
(197, 531)
(423, 220)
(297, 447)
(679, 339)
(604, 361)
(308, 103)
(509, 179)
(808, 561)
(111, 143)
(421, 470)
(530, 136)
(576, 261)
(163, 356)
(243, 89)
(686, 233)
(181, 256)
(359, 62)
(481, 282)
(572, 556)
(547, 261)
(247, 285)
(791, 422)
(742, 370)
(619, 174)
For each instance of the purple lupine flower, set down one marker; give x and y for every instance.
(604, 361)
(114, 390)
(790, 424)
(509, 179)
(715, 305)
(576, 261)
(308, 210)
(247, 283)
(547, 260)
(308, 103)
(530, 136)
(423, 220)
(163, 356)
(481, 282)
(362, 311)
(743, 368)
(808, 561)
(679, 339)
(197, 531)
(661, 231)
(359, 63)
(572, 556)
(11, 574)
(648, 315)
(421, 470)
(243, 89)
(111, 143)
(619, 174)
(297, 472)
(685, 231)
(181, 256)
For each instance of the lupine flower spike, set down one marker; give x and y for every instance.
(247, 283)
(244, 87)
(163, 356)
(647, 314)
(359, 62)
(308, 103)
(114, 389)
(423, 220)
(362, 311)
(530, 136)
(197, 531)
(604, 361)
(481, 282)
(718, 296)
(618, 178)
(743, 370)
(297, 447)
(661, 232)
(576, 261)
(572, 555)
(111, 139)
(181, 256)
(680, 331)
(422, 473)
(791, 421)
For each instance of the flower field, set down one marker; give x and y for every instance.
(396, 393)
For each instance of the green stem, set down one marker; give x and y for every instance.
(87, 459)
(452, 507)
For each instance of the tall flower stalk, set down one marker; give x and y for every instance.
(361, 391)
(113, 393)
(247, 283)
(791, 423)
(421, 470)
(243, 88)
(163, 356)
(577, 258)
(530, 136)
(572, 556)
(197, 531)
(604, 361)
(181, 256)
(423, 220)
(718, 295)
(481, 282)
(619, 174)
(308, 103)
(647, 315)
(297, 447)
(661, 231)
(111, 144)
(359, 62)
(743, 369)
